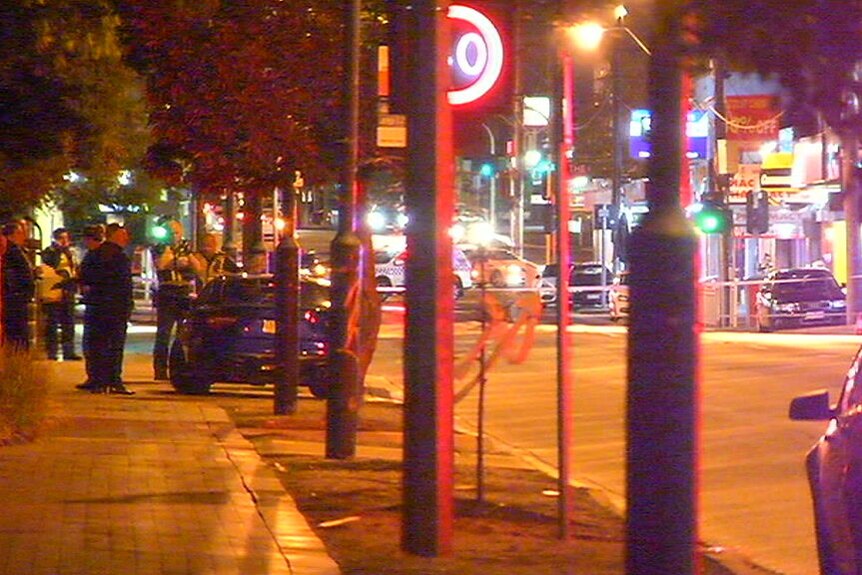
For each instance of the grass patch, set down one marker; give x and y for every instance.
(23, 395)
(355, 506)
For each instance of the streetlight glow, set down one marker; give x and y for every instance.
(620, 12)
(587, 35)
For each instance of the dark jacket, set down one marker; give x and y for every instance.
(18, 281)
(106, 274)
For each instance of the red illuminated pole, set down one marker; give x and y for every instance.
(563, 135)
(429, 296)
(662, 394)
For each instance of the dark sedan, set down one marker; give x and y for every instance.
(228, 335)
(800, 296)
(834, 467)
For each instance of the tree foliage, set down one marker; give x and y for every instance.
(812, 46)
(241, 93)
(67, 102)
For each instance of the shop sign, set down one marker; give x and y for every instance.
(752, 118)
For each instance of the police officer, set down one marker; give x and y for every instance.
(176, 271)
(212, 262)
(94, 235)
(107, 277)
(59, 312)
(18, 287)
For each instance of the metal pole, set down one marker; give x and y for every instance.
(662, 396)
(618, 149)
(480, 440)
(517, 224)
(287, 304)
(342, 405)
(429, 298)
(563, 138)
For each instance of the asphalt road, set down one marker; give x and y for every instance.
(754, 495)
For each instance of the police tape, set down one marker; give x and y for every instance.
(527, 311)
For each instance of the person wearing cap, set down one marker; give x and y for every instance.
(107, 278)
(176, 271)
(60, 307)
(19, 286)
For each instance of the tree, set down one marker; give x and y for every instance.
(246, 92)
(67, 103)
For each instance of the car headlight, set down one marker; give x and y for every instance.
(787, 307)
(839, 304)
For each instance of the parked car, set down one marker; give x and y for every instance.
(389, 269)
(585, 281)
(228, 335)
(834, 469)
(800, 296)
(503, 268)
(618, 297)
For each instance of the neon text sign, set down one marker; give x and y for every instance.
(477, 60)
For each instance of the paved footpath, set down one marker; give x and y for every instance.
(148, 484)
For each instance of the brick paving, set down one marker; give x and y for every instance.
(152, 483)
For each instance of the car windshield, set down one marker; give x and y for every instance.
(806, 283)
(254, 291)
(588, 276)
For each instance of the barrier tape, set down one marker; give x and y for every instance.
(527, 309)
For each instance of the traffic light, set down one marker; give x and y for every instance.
(757, 212)
(712, 217)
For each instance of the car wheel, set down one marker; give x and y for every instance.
(497, 279)
(181, 374)
(318, 383)
(459, 288)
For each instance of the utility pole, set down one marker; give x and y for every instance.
(517, 180)
(662, 395)
(618, 146)
(852, 188)
(287, 304)
(342, 406)
(428, 326)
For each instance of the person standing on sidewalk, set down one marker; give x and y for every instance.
(94, 235)
(60, 309)
(176, 270)
(18, 287)
(107, 277)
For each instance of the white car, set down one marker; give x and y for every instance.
(504, 269)
(389, 270)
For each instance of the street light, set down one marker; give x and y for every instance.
(588, 36)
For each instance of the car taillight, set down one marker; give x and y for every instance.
(220, 322)
(312, 317)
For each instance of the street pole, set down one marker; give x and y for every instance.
(342, 405)
(662, 403)
(852, 188)
(517, 180)
(429, 297)
(562, 139)
(618, 147)
(287, 303)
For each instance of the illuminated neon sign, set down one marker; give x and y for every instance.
(477, 58)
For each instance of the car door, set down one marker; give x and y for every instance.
(837, 478)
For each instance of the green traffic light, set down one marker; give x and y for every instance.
(487, 170)
(712, 219)
(159, 233)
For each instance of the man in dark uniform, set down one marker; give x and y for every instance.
(94, 235)
(107, 278)
(59, 311)
(18, 287)
(175, 271)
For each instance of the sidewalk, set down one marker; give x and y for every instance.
(149, 484)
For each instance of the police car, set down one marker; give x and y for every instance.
(389, 270)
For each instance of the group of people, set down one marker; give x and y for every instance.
(104, 279)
